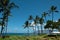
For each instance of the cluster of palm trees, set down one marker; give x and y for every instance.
(40, 20)
(5, 10)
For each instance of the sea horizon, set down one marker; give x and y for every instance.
(24, 34)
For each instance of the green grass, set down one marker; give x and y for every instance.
(40, 37)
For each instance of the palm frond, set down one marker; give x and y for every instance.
(56, 11)
(30, 17)
(12, 5)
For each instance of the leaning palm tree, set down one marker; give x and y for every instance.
(27, 25)
(32, 24)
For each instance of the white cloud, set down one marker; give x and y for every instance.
(56, 21)
(38, 25)
(32, 23)
(44, 24)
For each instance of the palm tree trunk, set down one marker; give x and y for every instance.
(45, 19)
(52, 16)
(28, 31)
(6, 27)
(6, 24)
(38, 30)
(49, 31)
(41, 29)
(52, 19)
(2, 30)
(35, 30)
(2, 27)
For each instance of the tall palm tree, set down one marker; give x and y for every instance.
(44, 15)
(36, 22)
(5, 7)
(52, 10)
(6, 19)
(41, 20)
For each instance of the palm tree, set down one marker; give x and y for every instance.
(52, 10)
(31, 18)
(27, 25)
(36, 22)
(35, 26)
(5, 7)
(44, 15)
(6, 19)
(41, 20)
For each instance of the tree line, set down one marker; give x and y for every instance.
(50, 23)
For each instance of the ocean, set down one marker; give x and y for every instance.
(25, 34)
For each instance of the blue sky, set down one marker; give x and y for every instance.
(26, 8)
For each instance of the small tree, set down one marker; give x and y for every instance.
(48, 25)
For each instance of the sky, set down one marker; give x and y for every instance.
(26, 8)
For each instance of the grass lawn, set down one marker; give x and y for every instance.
(40, 37)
